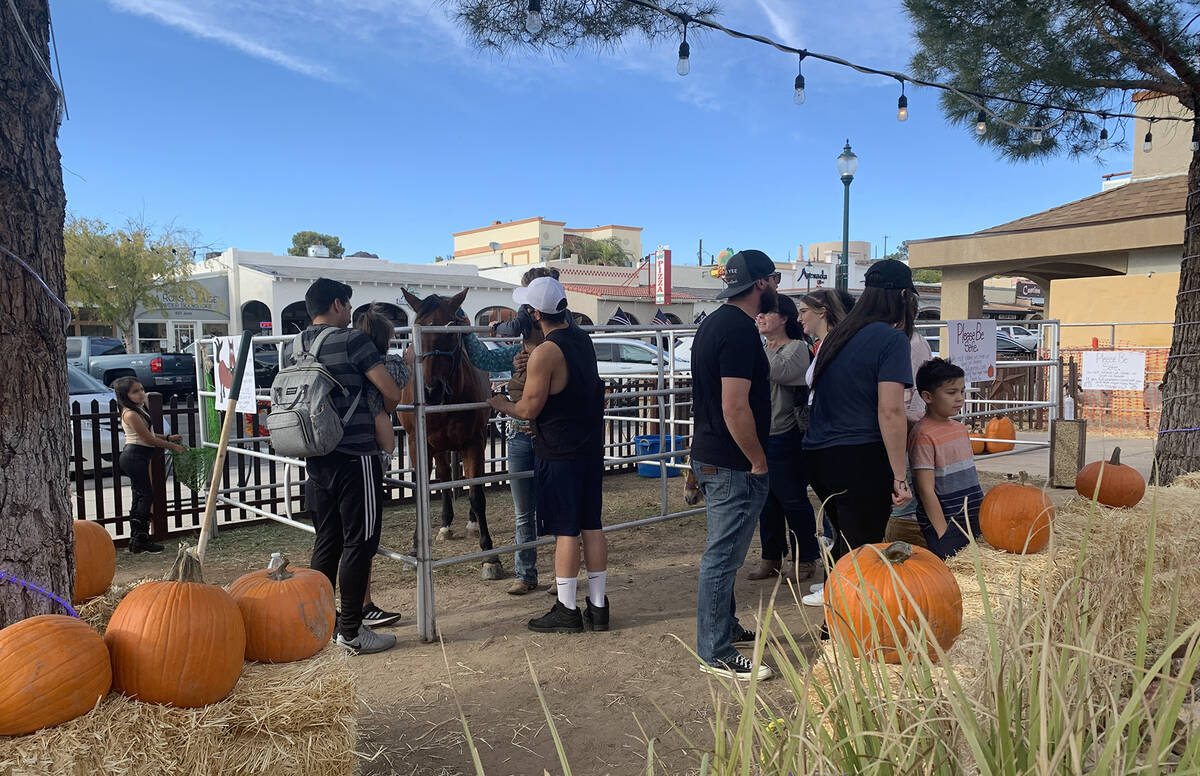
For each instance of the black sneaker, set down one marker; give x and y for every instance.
(743, 637)
(739, 667)
(143, 544)
(374, 617)
(559, 619)
(595, 618)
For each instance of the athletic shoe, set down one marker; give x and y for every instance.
(559, 619)
(367, 642)
(739, 667)
(374, 617)
(816, 587)
(521, 587)
(143, 544)
(595, 618)
(743, 637)
(816, 598)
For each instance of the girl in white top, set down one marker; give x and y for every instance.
(141, 445)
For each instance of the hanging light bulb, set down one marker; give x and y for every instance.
(1148, 143)
(902, 108)
(533, 17)
(1036, 138)
(684, 66)
(798, 95)
(981, 123)
(1104, 138)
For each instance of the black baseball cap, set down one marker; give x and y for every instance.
(743, 269)
(890, 274)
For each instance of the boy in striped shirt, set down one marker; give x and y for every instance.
(943, 465)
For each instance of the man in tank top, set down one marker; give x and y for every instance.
(565, 395)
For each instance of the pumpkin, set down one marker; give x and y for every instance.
(289, 613)
(874, 614)
(179, 642)
(999, 428)
(55, 668)
(977, 447)
(1120, 485)
(1015, 517)
(95, 561)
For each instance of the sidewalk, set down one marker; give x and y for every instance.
(1137, 452)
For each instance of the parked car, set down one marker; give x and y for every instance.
(84, 389)
(105, 359)
(1005, 346)
(1022, 334)
(619, 356)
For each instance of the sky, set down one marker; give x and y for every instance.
(377, 121)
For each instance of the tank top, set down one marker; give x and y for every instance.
(571, 424)
(131, 436)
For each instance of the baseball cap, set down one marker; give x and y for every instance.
(890, 274)
(544, 294)
(742, 269)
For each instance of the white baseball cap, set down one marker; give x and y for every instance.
(544, 294)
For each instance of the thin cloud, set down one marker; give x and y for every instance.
(783, 27)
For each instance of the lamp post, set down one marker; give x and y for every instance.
(847, 163)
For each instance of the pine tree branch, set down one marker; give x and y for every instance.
(1174, 88)
(1177, 61)
(1148, 66)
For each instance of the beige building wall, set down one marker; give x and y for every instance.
(1105, 300)
(1171, 151)
(521, 242)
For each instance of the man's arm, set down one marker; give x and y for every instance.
(739, 419)
(499, 360)
(543, 362)
(381, 379)
(893, 426)
(923, 479)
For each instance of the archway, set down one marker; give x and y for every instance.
(582, 320)
(499, 313)
(929, 314)
(672, 317)
(254, 314)
(397, 315)
(294, 319)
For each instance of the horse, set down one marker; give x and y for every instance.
(449, 378)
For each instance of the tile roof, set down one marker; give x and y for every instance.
(1137, 199)
(384, 274)
(621, 292)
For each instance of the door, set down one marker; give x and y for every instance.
(185, 335)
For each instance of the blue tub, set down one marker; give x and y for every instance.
(648, 445)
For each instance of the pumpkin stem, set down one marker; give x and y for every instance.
(280, 572)
(1116, 457)
(898, 552)
(186, 567)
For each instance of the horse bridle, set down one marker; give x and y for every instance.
(456, 356)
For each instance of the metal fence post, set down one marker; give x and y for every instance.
(419, 454)
(663, 440)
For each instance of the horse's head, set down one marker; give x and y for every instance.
(440, 352)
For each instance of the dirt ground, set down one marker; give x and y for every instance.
(608, 692)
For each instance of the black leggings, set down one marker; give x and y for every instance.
(855, 484)
(135, 464)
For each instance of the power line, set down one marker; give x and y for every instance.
(37, 55)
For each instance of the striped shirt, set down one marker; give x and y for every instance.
(945, 447)
(348, 354)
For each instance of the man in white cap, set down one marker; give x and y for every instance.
(564, 396)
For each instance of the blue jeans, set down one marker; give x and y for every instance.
(787, 518)
(733, 500)
(520, 459)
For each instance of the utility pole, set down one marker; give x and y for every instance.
(700, 254)
(885, 246)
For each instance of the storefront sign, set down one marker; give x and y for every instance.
(1027, 289)
(809, 277)
(662, 275)
(227, 348)
(973, 348)
(1114, 370)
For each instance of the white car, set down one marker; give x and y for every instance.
(622, 356)
(83, 388)
(1024, 336)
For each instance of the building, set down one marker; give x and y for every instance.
(1110, 257)
(534, 240)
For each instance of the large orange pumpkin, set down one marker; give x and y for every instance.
(978, 448)
(179, 642)
(95, 561)
(289, 613)
(1120, 485)
(999, 428)
(54, 668)
(870, 610)
(1016, 517)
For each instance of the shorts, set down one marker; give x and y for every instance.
(568, 496)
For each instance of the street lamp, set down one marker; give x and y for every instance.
(847, 163)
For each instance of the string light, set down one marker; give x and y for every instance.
(1103, 132)
(981, 124)
(684, 66)
(1036, 137)
(902, 105)
(798, 96)
(533, 17)
(1148, 143)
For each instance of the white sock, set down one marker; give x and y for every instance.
(566, 591)
(596, 580)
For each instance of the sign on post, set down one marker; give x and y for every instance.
(227, 348)
(973, 348)
(662, 276)
(1114, 370)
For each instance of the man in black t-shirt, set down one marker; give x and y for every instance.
(344, 488)
(732, 411)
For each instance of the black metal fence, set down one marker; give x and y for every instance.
(101, 495)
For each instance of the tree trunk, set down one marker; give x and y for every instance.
(36, 537)
(1178, 448)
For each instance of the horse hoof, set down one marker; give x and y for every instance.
(472, 530)
(493, 571)
(445, 532)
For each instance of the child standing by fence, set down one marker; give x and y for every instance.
(141, 446)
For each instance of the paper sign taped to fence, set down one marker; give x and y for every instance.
(973, 348)
(1114, 370)
(227, 350)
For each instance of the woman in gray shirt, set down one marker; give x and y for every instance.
(787, 519)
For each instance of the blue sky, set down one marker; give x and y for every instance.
(374, 120)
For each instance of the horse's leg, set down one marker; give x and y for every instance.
(473, 460)
(445, 473)
(460, 468)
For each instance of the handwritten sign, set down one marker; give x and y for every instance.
(1114, 370)
(227, 348)
(973, 348)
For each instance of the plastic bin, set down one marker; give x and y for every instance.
(647, 445)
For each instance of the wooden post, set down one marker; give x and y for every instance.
(158, 471)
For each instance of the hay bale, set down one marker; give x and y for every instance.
(98, 611)
(288, 718)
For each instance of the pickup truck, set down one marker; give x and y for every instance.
(105, 359)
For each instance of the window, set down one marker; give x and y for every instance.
(74, 348)
(632, 354)
(79, 382)
(216, 330)
(604, 351)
